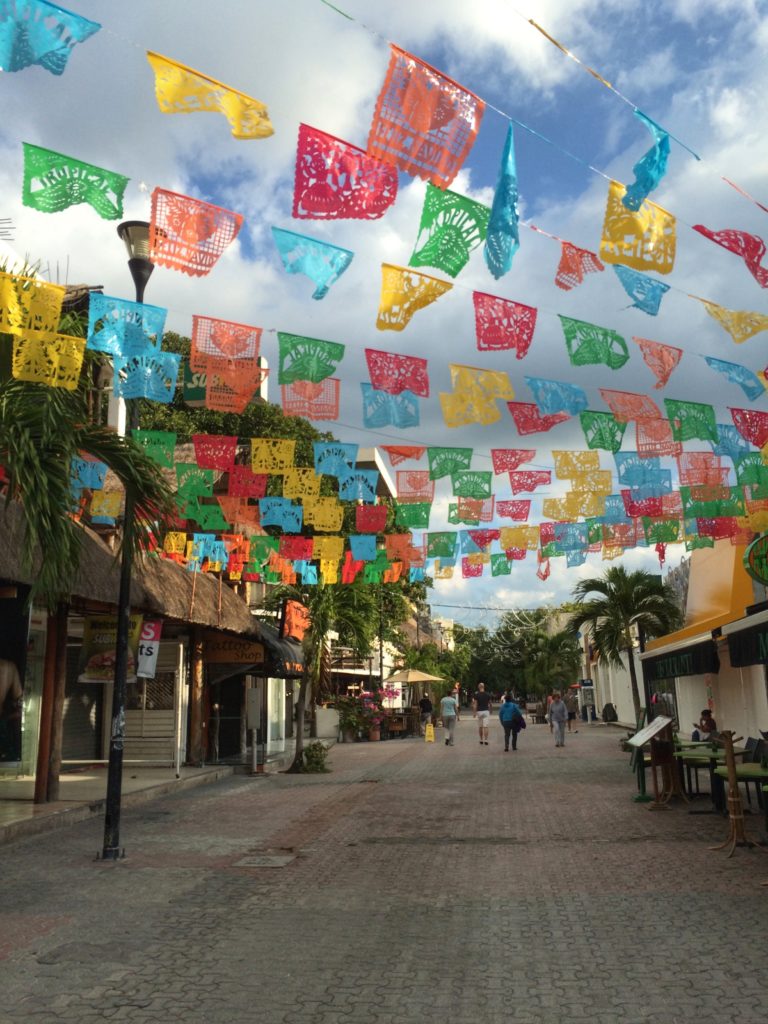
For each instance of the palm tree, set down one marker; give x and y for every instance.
(348, 608)
(551, 659)
(617, 604)
(41, 430)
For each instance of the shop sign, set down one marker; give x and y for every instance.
(232, 650)
(756, 559)
(97, 655)
(194, 386)
(691, 661)
(149, 648)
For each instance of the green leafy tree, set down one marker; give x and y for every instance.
(619, 606)
(348, 609)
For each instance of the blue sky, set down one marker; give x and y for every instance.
(697, 68)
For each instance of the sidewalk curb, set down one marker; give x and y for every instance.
(50, 821)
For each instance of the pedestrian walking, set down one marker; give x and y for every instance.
(512, 721)
(449, 712)
(481, 707)
(572, 703)
(558, 716)
(425, 713)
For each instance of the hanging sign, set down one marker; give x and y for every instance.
(149, 648)
(97, 655)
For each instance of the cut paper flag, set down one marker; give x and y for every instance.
(273, 455)
(651, 168)
(187, 234)
(322, 262)
(308, 359)
(227, 348)
(529, 419)
(335, 180)
(54, 360)
(451, 227)
(752, 425)
(395, 373)
(472, 483)
(626, 405)
(749, 382)
(518, 510)
(414, 515)
(507, 459)
(181, 90)
(151, 375)
(403, 293)
(158, 445)
(414, 485)
(571, 463)
(334, 459)
(660, 359)
(646, 292)
(312, 401)
(730, 443)
(474, 395)
(370, 518)
(589, 344)
(602, 430)
(359, 485)
(644, 240)
(501, 324)
(446, 461)
(402, 452)
(574, 265)
(215, 451)
(528, 480)
(424, 122)
(751, 248)
(28, 304)
(123, 328)
(380, 409)
(223, 393)
(555, 396)
(52, 182)
(503, 237)
(654, 437)
(37, 32)
(740, 324)
(691, 420)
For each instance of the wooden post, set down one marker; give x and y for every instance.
(196, 703)
(46, 713)
(59, 694)
(737, 835)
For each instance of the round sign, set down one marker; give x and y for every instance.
(756, 559)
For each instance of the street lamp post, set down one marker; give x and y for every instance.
(135, 234)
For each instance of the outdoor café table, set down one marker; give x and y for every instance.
(704, 756)
(751, 772)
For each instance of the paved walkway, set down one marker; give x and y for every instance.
(415, 883)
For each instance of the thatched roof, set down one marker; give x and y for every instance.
(158, 586)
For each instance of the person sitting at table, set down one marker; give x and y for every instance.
(706, 728)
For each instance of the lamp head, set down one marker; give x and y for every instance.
(135, 235)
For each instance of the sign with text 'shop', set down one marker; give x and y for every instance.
(38, 32)
(54, 360)
(424, 122)
(189, 235)
(28, 304)
(123, 328)
(181, 90)
(335, 179)
(502, 324)
(312, 401)
(645, 239)
(403, 293)
(52, 182)
(395, 373)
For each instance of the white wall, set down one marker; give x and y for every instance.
(739, 694)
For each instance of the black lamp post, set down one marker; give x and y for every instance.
(135, 234)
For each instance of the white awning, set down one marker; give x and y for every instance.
(746, 623)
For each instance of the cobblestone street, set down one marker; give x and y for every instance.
(415, 882)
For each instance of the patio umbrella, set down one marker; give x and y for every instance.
(413, 675)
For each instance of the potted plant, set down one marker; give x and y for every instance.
(350, 718)
(373, 715)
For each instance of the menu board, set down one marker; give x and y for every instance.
(649, 731)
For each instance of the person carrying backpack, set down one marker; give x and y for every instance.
(511, 718)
